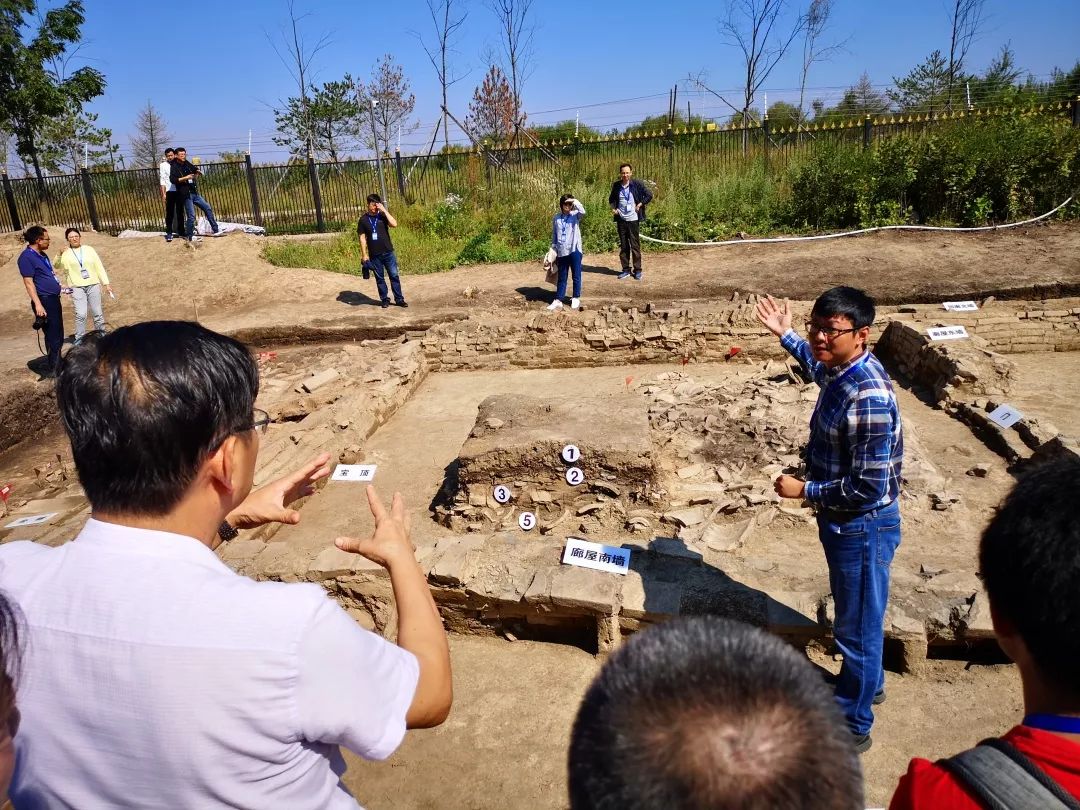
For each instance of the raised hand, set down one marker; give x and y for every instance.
(390, 543)
(773, 316)
(270, 503)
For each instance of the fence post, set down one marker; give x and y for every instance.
(1076, 111)
(9, 195)
(253, 190)
(400, 173)
(867, 131)
(316, 192)
(91, 206)
(765, 129)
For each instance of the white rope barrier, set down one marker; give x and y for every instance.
(858, 232)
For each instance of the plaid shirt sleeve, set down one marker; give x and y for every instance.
(869, 427)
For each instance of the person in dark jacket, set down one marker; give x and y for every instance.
(628, 199)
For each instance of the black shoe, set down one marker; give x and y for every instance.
(385, 304)
(879, 697)
(168, 237)
(401, 304)
(862, 742)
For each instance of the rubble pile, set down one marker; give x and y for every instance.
(518, 442)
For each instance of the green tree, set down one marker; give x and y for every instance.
(329, 115)
(32, 95)
(925, 88)
(783, 115)
(73, 138)
(231, 156)
(562, 131)
(659, 123)
(858, 101)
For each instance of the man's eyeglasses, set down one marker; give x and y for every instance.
(830, 333)
(261, 421)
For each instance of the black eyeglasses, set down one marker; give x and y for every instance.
(830, 333)
(261, 422)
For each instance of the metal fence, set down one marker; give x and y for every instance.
(300, 195)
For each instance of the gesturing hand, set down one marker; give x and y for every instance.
(390, 543)
(775, 317)
(788, 486)
(270, 503)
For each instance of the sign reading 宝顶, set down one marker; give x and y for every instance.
(353, 472)
(596, 555)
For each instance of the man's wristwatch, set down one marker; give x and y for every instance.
(226, 532)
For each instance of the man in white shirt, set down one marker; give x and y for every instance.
(174, 207)
(157, 677)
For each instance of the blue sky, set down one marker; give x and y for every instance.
(214, 76)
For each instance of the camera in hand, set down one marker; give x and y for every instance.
(40, 321)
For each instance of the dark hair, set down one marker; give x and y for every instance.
(180, 149)
(1029, 560)
(564, 199)
(625, 165)
(145, 405)
(70, 231)
(170, 149)
(706, 712)
(847, 302)
(374, 198)
(33, 233)
(11, 635)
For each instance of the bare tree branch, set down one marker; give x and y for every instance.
(965, 20)
(298, 58)
(517, 31)
(448, 17)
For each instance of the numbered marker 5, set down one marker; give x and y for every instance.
(527, 521)
(502, 494)
(574, 476)
(571, 454)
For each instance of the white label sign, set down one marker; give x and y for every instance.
(1005, 416)
(596, 555)
(574, 476)
(527, 521)
(571, 454)
(502, 494)
(31, 520)
(960, 306)
(353, 472)
(946, 332)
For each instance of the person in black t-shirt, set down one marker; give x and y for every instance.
(184, 176)
(378, 251)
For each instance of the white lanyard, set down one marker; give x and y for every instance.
(82, 267)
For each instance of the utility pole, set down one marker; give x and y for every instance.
(378, 154)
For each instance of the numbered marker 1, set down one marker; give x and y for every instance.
(502, 494)
(571, 454)
(1005, 416)
(574, 476)
(527, 521)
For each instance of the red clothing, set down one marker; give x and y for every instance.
(927, 785)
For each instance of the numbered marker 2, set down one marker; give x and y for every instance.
(527, 521)
(574, 476)
(502, 494)
(571, 454)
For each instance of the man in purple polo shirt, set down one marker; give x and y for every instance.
(44, 291)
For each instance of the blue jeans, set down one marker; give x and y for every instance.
(190, 201)
(387, 263)
(564, 264)
(859, 550)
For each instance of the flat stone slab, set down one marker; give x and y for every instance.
(583, 588)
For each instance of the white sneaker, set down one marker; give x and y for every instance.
(554, 305)
(575, 303)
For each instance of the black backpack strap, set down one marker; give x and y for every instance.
(1003, 778)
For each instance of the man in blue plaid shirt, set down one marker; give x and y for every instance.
(853, 479)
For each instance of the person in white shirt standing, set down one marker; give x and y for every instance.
(566, 242)
(154, 675)
(174, 207)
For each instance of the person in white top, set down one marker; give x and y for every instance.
(155, 676)
(566, 242)
(174, 206)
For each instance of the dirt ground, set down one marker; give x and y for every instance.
(504, 744)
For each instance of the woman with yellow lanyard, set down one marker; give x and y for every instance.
(85, 276)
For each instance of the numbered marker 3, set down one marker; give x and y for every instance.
(502, 494)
